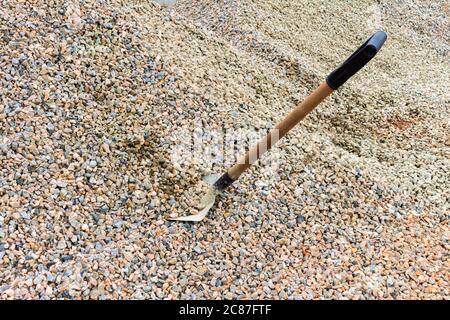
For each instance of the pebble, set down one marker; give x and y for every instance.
(105, 148)
(108, 25)
(261, 184)
(118, 223)
(61, 245)
(25, 215)
(51, 128)
(66, 258)
(198, 249)
(390, 282)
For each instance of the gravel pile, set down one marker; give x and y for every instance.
(95, 95)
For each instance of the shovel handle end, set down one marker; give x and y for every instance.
(357, 60)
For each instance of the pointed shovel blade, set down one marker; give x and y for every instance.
(206, 203)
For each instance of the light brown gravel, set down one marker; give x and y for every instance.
(92, 93)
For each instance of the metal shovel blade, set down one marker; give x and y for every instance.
(206, 202)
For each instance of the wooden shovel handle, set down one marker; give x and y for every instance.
(280, 130)
(338, 77)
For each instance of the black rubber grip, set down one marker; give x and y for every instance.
(357, 60)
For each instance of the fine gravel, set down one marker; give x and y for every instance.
(100, 102)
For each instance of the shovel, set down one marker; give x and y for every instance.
(337, 78)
